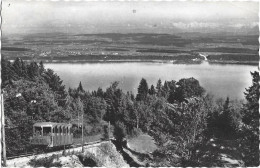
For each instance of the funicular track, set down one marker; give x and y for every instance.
(88, 145)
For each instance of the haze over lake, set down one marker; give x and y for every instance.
(218, 79)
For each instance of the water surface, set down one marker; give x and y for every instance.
(219, 79)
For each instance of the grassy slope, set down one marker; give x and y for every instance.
(142, 144)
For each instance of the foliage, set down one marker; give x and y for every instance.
(178, 115)
(80, 88)
(106, 132)
(120, 132)
(35, 94)
(27, 102)
(225, 118)
(151, 91)
(44, 162)
(159, 88)
(142, 90)
(188, 88)
(250, 129)
(190, 127)
(89, 160)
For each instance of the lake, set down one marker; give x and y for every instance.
(222, 80)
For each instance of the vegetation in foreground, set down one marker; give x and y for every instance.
(179, 115)
(104, 155)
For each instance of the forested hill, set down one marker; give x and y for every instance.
(179, 115)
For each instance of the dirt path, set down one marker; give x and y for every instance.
(222, 153)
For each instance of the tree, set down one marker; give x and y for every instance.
(171, 91)
(226, 121)
(119, 132)
(186, 126)
(159, 88)
(165, 90)
(152, 90)
(250, 129)
(94, 108)
(41, 68)
(142, 90)
(7, 72)
(187, 88)
(33, 70)
(27, 102)
(113, 96)
(100, 92)
(17, 66)
(251, 107)
(80, 88)
(54, 81)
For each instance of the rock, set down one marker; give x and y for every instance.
(69, 161)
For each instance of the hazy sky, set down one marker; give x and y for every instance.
(20, 16)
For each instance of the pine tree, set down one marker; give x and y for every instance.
(142, 90)
(6, 72)
(152, 90)
(165, 89)
(100, 92)
(80, 88)
(54, 81)
(41, 68)
(33, 70)
(171, 96)
(226, 120)
(252, 105)
(159, 88)
(17, 67)
(250, 136)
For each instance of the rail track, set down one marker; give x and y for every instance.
(36, 153)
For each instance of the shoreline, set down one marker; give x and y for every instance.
(253, 63)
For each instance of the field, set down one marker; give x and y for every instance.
(135, 47)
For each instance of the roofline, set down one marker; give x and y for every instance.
(50, 124)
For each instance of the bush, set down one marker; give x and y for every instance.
(64, 153)
(45, 162)
(88, 159)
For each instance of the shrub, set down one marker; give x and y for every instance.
(88, 159)
(64, 153)
(106, 148)
(45, 162)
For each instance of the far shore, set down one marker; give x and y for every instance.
(197, 61)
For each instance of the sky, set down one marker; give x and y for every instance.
(21, 16)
